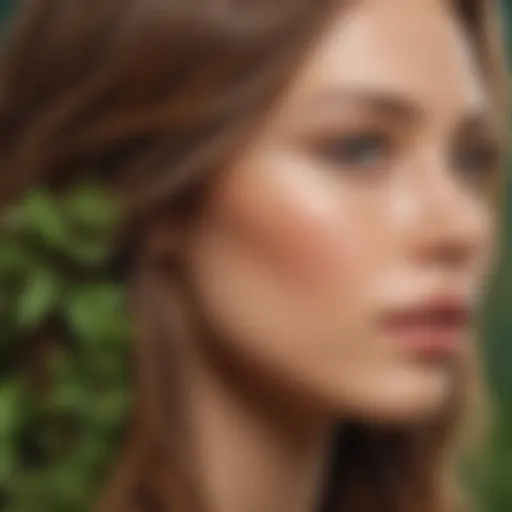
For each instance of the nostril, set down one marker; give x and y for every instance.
(454, 254)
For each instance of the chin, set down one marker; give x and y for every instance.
(400, 399)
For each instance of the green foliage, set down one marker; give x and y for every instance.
(63, 347)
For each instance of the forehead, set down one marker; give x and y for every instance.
(417, 48)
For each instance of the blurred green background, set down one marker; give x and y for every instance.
(53, 452)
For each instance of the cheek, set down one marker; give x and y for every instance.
(292, 217)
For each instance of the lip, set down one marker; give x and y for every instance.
(436, 326)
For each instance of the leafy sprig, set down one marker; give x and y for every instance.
(63, 347)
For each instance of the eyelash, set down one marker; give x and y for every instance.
(364, 150)
(483, 162)
(351, 152)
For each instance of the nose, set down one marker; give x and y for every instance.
(452, 223)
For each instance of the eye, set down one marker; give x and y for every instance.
(360, 150)
(478, 162)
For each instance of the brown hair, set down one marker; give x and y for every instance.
(151, 97)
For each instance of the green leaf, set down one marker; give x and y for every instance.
(38, 299)
(109, 407)
(68, 397)
(39, 215)
(92, 208)
(14, 257)
(96, 313)
(49, 247)
(89, 252)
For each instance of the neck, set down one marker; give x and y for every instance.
(250, 459)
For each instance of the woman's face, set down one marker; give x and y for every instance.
(341, 255)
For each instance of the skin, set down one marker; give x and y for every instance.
(303, 244)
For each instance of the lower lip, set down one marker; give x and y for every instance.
(431, 340)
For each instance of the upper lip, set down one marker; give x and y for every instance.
(445, 308)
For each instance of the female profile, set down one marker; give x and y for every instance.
(309, 199)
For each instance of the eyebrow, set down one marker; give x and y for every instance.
(384, 104)
(397, 107)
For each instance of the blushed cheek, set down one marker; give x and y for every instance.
(319, 251)
(297, 224)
